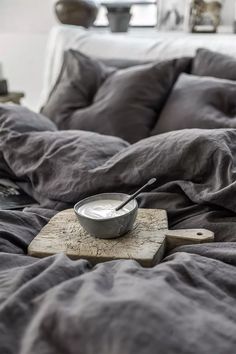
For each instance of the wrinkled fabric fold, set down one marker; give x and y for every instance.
(184, 305)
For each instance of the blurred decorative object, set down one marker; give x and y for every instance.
(118, 15)
(119, 12)
(3, 88)
(172, 14)
(3, 83)
(119, 20)
(12, 97)
(76, 12)
(205, 15)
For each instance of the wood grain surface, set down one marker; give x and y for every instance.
(146, 243)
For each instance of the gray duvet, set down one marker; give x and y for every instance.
(186, 304)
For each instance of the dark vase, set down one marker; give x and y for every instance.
(119, 19)
(76, 12)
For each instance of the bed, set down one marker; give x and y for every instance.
(187, 141)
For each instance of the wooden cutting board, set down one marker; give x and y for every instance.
(146, 243)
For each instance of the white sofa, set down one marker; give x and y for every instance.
(129, 46)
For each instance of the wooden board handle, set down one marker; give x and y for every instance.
(182, 237)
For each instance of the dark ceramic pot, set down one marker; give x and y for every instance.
(119, 21)
(76, 12)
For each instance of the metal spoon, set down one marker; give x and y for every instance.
(151, 181)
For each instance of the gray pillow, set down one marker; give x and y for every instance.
(22, 119)
(75, 87)
(124, 103)
(209, 63)
(123, 63)
(199, 102)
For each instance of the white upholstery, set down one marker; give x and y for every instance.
(160, 45)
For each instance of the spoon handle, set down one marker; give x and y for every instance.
(151, 181)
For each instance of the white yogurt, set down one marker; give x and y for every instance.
(105, 208)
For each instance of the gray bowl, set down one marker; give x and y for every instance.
(108, 227)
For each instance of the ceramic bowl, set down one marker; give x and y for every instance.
(108, 227)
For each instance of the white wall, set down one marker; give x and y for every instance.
(24, 27)
(28, 16)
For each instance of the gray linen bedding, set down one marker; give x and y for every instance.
(56, 305)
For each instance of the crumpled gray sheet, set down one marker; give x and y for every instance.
(187, 304)
(195, 171)
(56, 305)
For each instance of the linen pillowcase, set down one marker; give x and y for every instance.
(123, 103)
(75, 87)
(22, 119)
(78, 81)
(123, 63)
(209, 63)
(199, 102)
